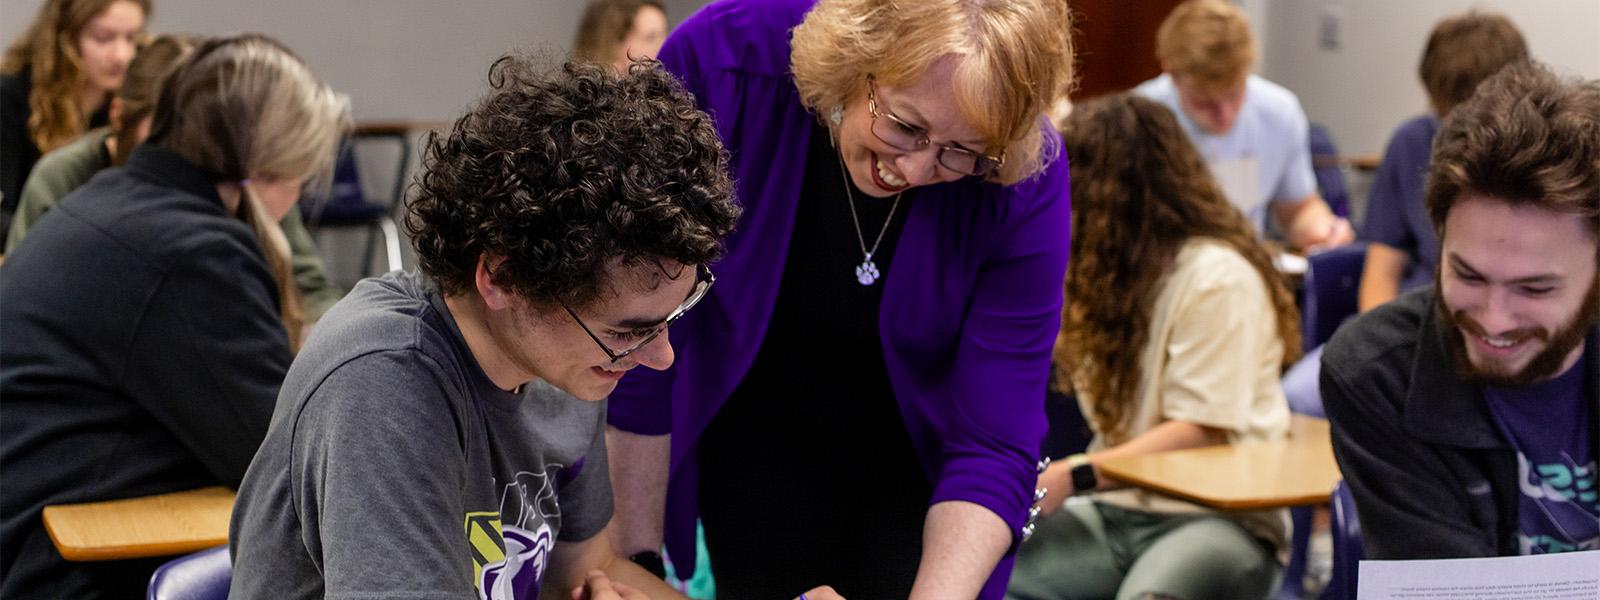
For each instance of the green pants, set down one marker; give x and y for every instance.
(1089, 550)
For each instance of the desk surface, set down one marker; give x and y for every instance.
(1296, 471)
(161, 525)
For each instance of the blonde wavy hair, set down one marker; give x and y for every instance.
(246, 105)
(1017, 61)
(1208, 40)
(48, 52)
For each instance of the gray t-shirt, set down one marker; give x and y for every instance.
(394, 468)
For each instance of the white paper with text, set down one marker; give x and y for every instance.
(1563, 576)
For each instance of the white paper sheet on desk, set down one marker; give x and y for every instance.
(1564, 576)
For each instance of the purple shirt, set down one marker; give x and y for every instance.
(1558, 509)
(970, 308)
(1395, 214)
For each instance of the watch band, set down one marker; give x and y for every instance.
(651, 561)
(1084, 479)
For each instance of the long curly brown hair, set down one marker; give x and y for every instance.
(47, 52)
(1139, 192)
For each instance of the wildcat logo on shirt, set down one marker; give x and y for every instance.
(509, 558)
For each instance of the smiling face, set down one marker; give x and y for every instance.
(1519, 284)
(551, 345)
(107, 43)
(882, 170)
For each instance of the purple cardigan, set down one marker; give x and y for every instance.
(971, 305)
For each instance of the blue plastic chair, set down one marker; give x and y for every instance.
(1332, 291)
(1332, 287)
(204, 575)
(346, 205)
(1347, 550)
(1294, 573)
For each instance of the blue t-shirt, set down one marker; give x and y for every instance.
(1548, 425)
(1396, 216)
(1269, 144)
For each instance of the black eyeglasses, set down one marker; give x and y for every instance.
(894, 131)
(702, 283)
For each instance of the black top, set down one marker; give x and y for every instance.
(1431, 473)
(807, 473)
(142, 354)
(17, 151)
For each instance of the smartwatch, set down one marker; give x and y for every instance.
(1083, 477)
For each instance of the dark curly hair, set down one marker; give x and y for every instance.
(562, 171)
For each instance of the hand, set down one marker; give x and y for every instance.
(600, 587)
(1057, 478)
(1339, 233)
(820, 593)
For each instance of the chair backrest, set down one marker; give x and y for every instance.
(1347, 551)
(1330, 175)
(344, 204)
(204, 575)
(1332, 289)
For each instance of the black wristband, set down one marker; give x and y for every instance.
(651, 561)
(1083, 478)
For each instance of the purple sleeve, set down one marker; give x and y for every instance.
(992, 435)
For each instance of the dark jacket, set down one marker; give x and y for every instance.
(1431, 474)
(141, 353)
(17, 151)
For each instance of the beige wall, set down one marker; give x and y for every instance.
(398, 59)
(1369, 86)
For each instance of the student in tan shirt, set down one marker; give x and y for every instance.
(1175, 331)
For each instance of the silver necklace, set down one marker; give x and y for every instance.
(867, 272)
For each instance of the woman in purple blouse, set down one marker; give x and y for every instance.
(859, 401)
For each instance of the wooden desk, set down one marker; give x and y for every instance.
(161, 525)
(1296, 471)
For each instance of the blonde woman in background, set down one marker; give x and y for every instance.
(56, 82)
(617, 32)
(860, 402)
(150, 317)
(67, 168)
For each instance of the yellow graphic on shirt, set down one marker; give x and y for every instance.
(483, 534)
(511, 547)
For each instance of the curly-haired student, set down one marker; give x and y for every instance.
(1176, 328)
(442, 433)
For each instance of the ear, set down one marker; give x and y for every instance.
(494, 296)
(115, 113)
